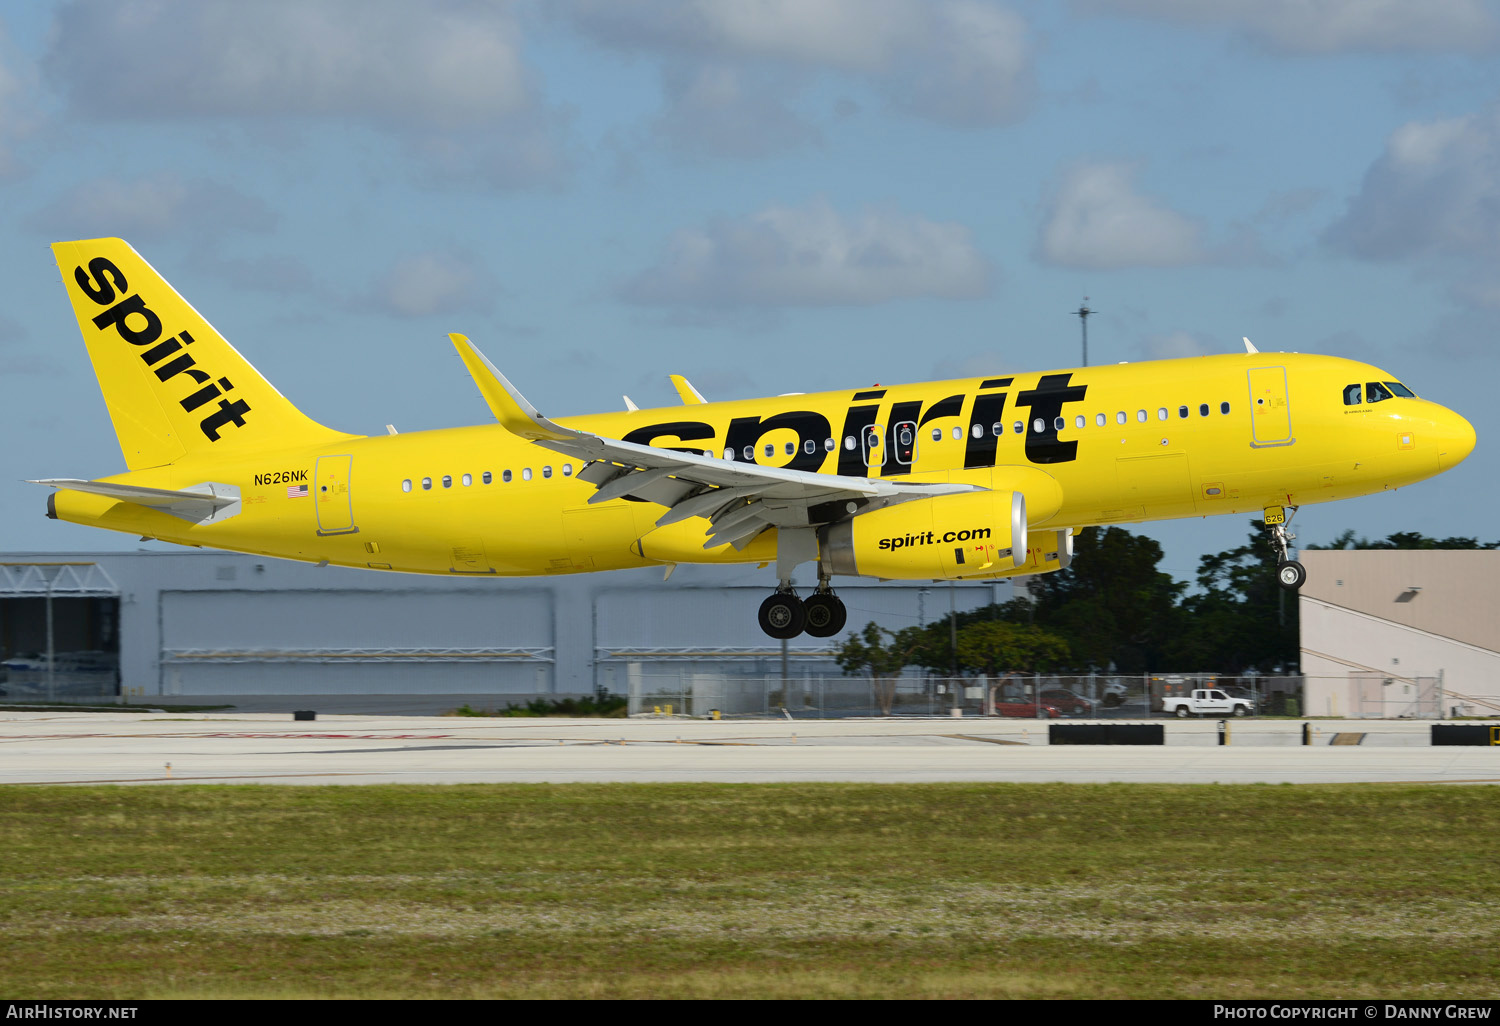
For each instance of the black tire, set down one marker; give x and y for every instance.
(1111, 701)
(1239, 710)
(1183, 712)
(1291, 575)
(782, 616)
(826, 615)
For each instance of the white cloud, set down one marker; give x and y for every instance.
(1331, 26)
(155, 207)
(813, 256)
(1435, 191)
(446, 62)
(435, 282)
(724, 110)
(15, 120)
(447, 77)
(957, 61)
(1098, 221)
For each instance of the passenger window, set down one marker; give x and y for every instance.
(1100, 419)
(1058, 423)
(505, 477)
(1203, 409)
(1400, 389)
(791, 447)
(729, 454)
(906, 436)
(468, 480)
(937, 434)
(749, 453)
(829, 445)
(1039, 425)
(1140, 415)
(1120, 417)
(568, 468)
(1375, 392)
(849, 442)
(525, 473)
(546, 471)
(1223, 407)
(447, 481)
(1018, 427)
(406, 485)
(487, 477)
(1161, 414)
(426, 484)
(770, 450)
(958, 433)
(977, 431)
(997, 429)
(1351, 394)
(1182, 411)
(1079, 421)
(809, 447)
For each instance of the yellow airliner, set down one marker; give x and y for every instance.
(968, 479)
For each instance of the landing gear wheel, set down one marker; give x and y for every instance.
(826, 615)
(1290, 575)
(782, 615)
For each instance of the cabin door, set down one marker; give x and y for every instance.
(1270, 409)
(331, 495)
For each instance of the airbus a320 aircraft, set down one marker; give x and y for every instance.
(970, 479)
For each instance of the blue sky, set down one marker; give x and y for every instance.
(764, 195)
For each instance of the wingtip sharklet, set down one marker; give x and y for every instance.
(508, 405)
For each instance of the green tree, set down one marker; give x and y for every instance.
(994, 647)
(1112, 605)
(882, 654)
(1241, 617)
(1405, 540)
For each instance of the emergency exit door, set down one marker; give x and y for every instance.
(331, 494)
(1270, 408)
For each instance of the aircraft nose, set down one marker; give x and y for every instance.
(1456, 439)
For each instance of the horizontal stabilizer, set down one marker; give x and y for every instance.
(209, 501)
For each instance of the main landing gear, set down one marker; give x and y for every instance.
(1290, 574)
(783, 615)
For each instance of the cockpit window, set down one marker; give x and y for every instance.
(1376, 392)
(1400, 389)
(1351, 394)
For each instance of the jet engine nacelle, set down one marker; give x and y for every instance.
(948, 537)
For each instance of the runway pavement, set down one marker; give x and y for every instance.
(137, 748)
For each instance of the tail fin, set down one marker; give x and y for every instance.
(173, 385)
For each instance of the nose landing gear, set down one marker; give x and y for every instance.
(1290, 574)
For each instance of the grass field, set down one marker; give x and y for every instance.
(776, 891)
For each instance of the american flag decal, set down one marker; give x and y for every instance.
(294, 491)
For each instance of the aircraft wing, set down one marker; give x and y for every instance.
(739, 499)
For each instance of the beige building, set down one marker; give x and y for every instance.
(1401, 632)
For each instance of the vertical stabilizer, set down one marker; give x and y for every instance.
(173, 385)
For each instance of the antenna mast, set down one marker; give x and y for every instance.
(1082, 313)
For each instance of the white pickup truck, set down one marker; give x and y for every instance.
(1207, 702)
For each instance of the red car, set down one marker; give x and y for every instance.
(1070, 703)
(1027, 710)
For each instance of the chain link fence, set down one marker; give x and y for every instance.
(1038, 696)
(813, 696)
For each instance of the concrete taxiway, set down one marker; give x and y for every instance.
(263, 748)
